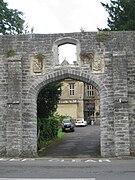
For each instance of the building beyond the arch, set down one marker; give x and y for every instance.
(80, 101)
(28, 63)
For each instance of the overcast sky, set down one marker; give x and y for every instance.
(56, 16)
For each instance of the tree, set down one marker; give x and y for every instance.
(121, 15)
(47, 124)
(48, 99)
(11, 21)
(82, 29)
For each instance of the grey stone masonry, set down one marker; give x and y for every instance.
(121, 121)
(14, 107)
(28, 63)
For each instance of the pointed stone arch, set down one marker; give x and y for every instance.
(31, 112)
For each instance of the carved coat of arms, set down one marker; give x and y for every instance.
(98, 64)
(95, 61)
(37, 66)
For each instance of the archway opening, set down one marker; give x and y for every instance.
(78, 100)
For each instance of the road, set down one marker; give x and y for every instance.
(76, 157)
(84, 142)
(58, 168)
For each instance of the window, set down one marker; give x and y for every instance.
(67, 52)
(72, 90)
(90, 90)
(71, 57)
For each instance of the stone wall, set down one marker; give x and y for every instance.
(30, 62)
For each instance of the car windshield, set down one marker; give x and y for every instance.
(66, 121)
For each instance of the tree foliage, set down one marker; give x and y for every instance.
(11, 20)
(47, 130)
(47, 123)
(48, 99)
(121, 15)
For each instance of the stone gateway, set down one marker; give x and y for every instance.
(106, 60)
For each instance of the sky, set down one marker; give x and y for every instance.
(62, 16)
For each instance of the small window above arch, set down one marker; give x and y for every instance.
(67, 53)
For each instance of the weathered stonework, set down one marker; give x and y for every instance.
(98, 64)
(21, 79)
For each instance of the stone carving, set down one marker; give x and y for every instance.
(87, 57)
(95, 61)
(37, 65)
(98, 64)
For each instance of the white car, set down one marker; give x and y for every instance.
(80, 123)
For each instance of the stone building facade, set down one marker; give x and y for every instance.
(79, 101)
(91, 101)
(71, 100)
(29, 62)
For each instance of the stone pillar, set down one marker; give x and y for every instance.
(121, 121)
(80, 114)
(14, 108)
(131, 99)
(3, 104)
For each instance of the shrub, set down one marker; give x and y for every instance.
(47, 130)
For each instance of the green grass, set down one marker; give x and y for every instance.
(60, 134)
(48, 144)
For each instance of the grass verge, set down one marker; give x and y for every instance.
(48, 144)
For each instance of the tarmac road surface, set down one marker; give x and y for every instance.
(84, 142)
